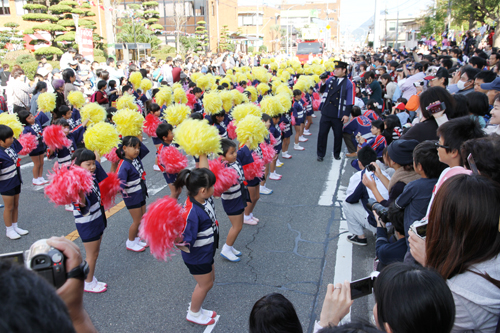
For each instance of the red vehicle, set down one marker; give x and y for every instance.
(309, 47)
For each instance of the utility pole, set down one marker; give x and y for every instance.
(448, 18)
(376, 23)
(110, 33)
(257, 22)
(394, 45)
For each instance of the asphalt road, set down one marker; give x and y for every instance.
(292, 251)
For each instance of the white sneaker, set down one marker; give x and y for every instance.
(285, 155)
(35, 182)
(20, 231)
(133, 246)
(313, 115)
(94, 287)
(250, 221)
(302, 139)
(229, 255)
(68, 208)
(298, 147)
(279, 164)
(12, 234)
(209, 313)
(306, 133)
(42, 181)
(143, 244)
(274, 176)
(156, 168)
(199, 318)
(235, 252)
(264, 190)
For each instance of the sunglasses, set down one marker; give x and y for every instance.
(438, 145)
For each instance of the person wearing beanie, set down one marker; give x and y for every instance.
(357, 195)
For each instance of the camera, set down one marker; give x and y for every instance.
(42, 258)
(370, 167)
(363, 287)
(379, 209)
(419, 228)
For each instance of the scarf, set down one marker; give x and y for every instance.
(401, 175)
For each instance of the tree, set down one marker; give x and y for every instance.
(180, 20)
(276, 33)
(133, 29)
(201, 37)
(188, 43)
(225, 40)
(9, 36)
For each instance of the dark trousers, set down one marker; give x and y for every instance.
(351, 147)
(325, 124)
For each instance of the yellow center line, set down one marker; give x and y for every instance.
(72, 236)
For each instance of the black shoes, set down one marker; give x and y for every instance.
(320, 159)
(356, 240)
(337, 157)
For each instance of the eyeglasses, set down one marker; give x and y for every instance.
(438, 145)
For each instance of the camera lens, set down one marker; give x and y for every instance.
(40, 261)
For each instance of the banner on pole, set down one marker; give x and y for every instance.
(86, 44)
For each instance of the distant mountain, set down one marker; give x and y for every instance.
(362, 30)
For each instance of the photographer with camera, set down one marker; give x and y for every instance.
(31, 304)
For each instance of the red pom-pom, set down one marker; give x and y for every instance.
(231, 130)
(316, 104)
(293, 121)
(254, 169)
(272, 139)
(268, 152)
(54, 137)
(109, 188)
(172, 159)
(191, 100)
(111, 156)
(150, 124)
(161, 226)
(225, 177)
(316, 95)
(29, 143)
(282, 126)
(67, 183)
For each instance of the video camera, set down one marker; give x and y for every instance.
(46, 261)
(379, 209)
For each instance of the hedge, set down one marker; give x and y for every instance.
(69, 3)
(150, 4)
(70, 36)
(85, 5)
(98, 53)
(49, 50)
(89, 14)
(25, 58)
(99, 59)
(67, 23)
(156, 27)
(35, 7)
(39, 17)
(49, 27)
(59, 9)
(77, 11)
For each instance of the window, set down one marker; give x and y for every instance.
(410, 36)
(392, 26)
(4, 7)
(19, 7)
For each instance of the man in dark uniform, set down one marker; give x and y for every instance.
(336, 104)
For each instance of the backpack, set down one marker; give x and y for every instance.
(3, 104)
(93, 97)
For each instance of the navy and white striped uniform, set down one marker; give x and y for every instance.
(90, 220)
(10, 173)
(287, 120)
(157, 140)
(298, 112)
(276, 133)
(201, 232)
(309, 106)
(222, 128)
(244, 156)
(76, 119)
(36, 130)
(234, 200)
(169, 177)
(64, 155)
(133, 177)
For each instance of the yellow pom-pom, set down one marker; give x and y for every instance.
(101, 137)
(212, 102)
(273, 66)
(263, 88)
(126, 102)
(243, 110)
(283, 65)
(93, 112)
(249, 76)
(316, 78)
(229, 72)
(272, 106)
(284, 89)
(227, 100)
(76, 98)
(180, 96)
(264, 61)
(285, 100)
(13, 122)
(164, 96)
(197, 137)
(251, 131)
(261, 74)
(146, 85)
(203, 82)
(135, 78)
(245, 69)
(176, 114)
(128, 122)
(318, 69)
(176, 85)
(195, 76)
(241, 77)
(46, 102)
(300, 85)
(253, 93)
(285, 76)
(239, 97)
(226, 80)
(212, 80)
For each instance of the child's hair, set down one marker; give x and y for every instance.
(154, 107)
(266, 117)
(297, 92)
(5, 132)
(126, 88)
(112, 83)
(225, 144)
(61, 122)
(370, 105)
(243, 83)
(486, 154)
(355, 111)
(221, 88)
(402, 100)
(128, 141)
(197, 116)
(197, 90)
(63, 109)
(379, 124)
(82, 155)
(23, 115)
(425, 154)
(195, 180)
(139, 91)
(192, 85)
(458, 130)
(101, 84)
(225, 85)
(154, 92)
(366, 155)
(213, 118)
(110, 111)
(163, 129)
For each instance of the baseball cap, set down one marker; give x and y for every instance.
(394, 63)
(42, 71)
(73, 62)
(401, 106)
(494, 85)
(436, 72)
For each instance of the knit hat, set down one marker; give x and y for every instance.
(401, 151)
(57, 83)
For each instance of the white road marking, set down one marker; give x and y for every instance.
(343, 260)
(326, 198)
(153, 191)
(211, 327)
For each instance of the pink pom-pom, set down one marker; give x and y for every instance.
(109, 188)
(254, 169)
(293, 121)
(67, 183)
(272, 139)
(268, 152)
(231, 130)
(150, 124)
(316, 95)
(54, 137)
(111, 156)
(316, 103)
(161, 226)
(225, 177)
(191, 100)
(282, 126)
(29, 143)
(172, 159)
(240, 89)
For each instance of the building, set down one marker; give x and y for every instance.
(260, 25)
(411, 29)
(391, 32)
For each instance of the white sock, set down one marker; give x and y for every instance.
(11, 228)
(251, 215)
(194, 314)
(226, 248)
(14, 225)
(247, 217)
